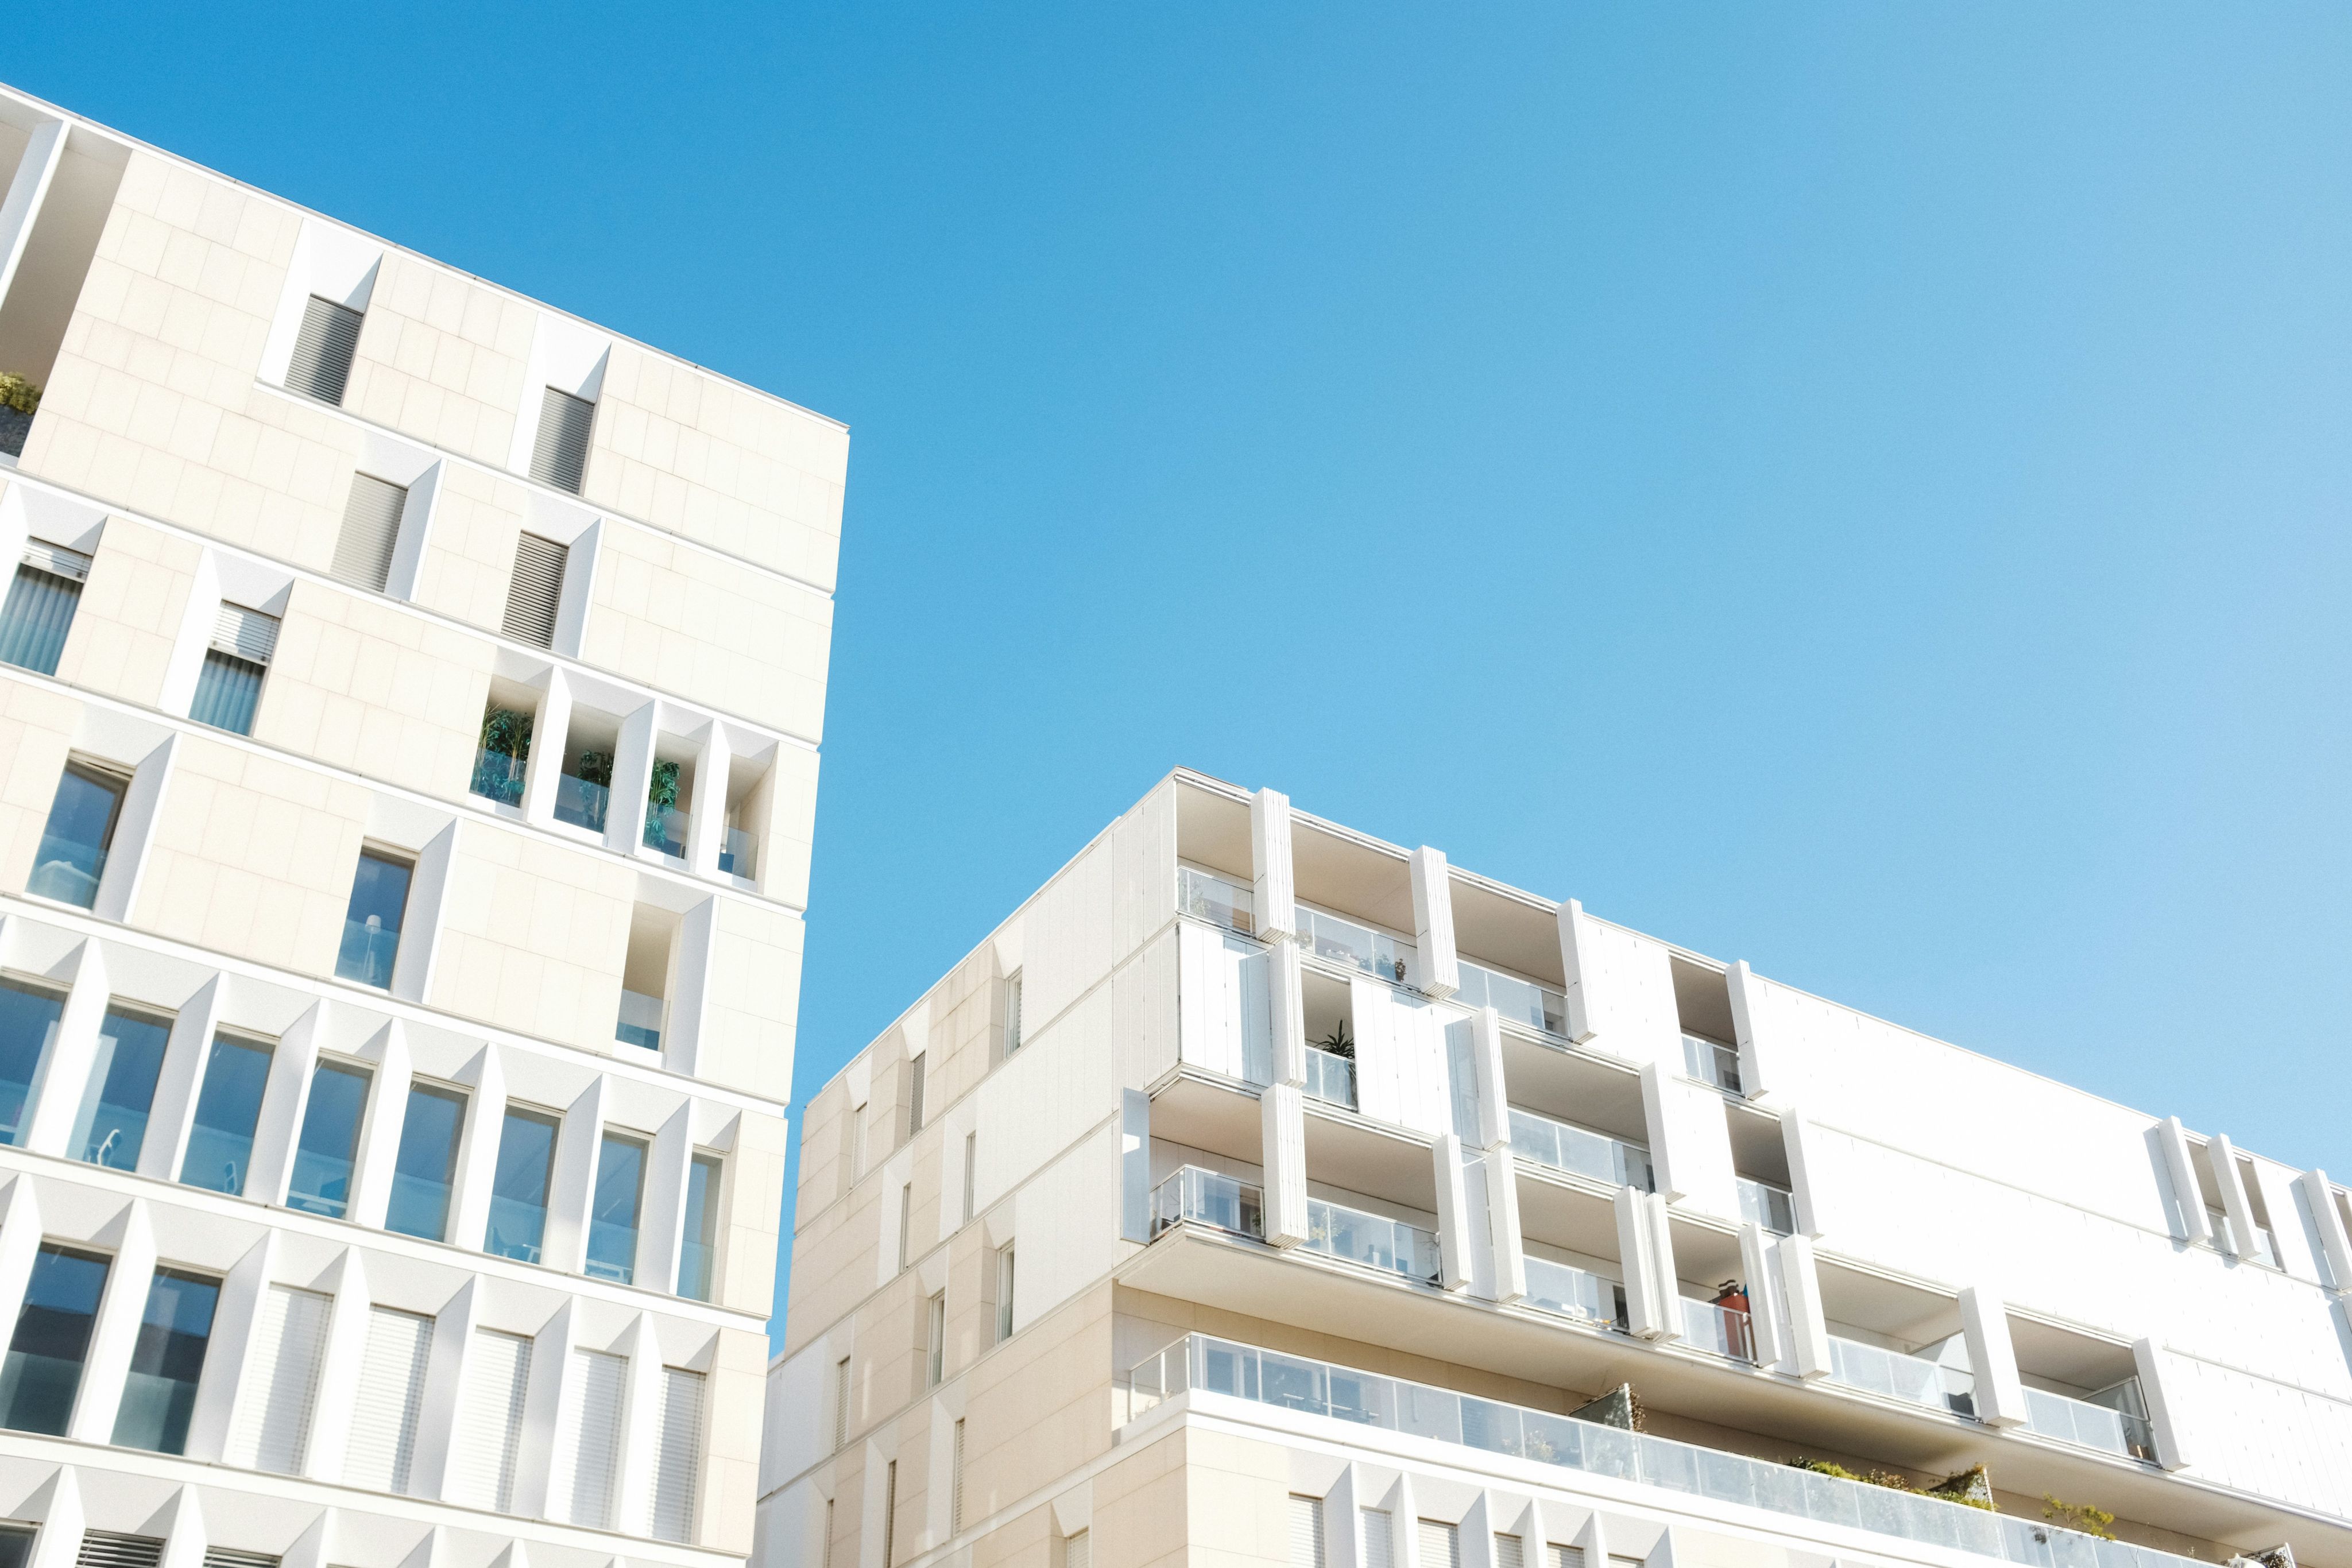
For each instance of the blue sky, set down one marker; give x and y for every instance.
(1863, 490)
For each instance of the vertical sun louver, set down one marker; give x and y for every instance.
(1305, 1530)
(371, 529)
(1441, 1544)
(537, 591)
(323, 350)
(677, 1462)
(490, 1420)
(1380, 1540)
(588, 1441)
(558, 457)
(272, 1427)
(391, 1400)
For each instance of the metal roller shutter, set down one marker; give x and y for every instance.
(1510, 1551)
(391, 1400)
(1380, 1538)
(105, 1548)
(371, 529)
(271, 1430)
(1306, 1531)
(588, 1442)
(1441, 1544)
(323, 349)
(43, 555)
(246, 634)
(490, 1420)
(559, 457)
(678, 1462)
(229, 1557)
(537, 591)
(1079, 1550)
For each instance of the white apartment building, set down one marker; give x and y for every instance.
(409, 706)
(1261, 1193)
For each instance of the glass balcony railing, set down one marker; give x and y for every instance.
(67, 870)
(581, 803)
(1773, 1208)
(1909, 1378)
(1330, 1078)
(1719, 1327)
(1208, 1197)
(1371, 1240)
(1338, 941)
(2120, 1427)
(1574, 1292)
(367, 953)
(498, 777)
(1518, 1001)
(666, 828)
(1567, 1148)
(640, 1022)
(1713, 1062)
(1214, 899)
(739, 853)
(1215, 1366)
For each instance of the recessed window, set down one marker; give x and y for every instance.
(645, 978)
(699, 1251)
(424, 1170)
(1013, 1013)
(1004, 1277)
(43, 1371)
(329, 1145)
(28, 1026)
(916, 1069)
(81, 830)
(220, 1143)
(39, 609)
(323, 350)
(501, 754)
(535, 592)
(228, 686)
(559, 455)
(371, 530)
(935, 1340)
(166, 1362)
(613, 1208)
(677, 1453)
(112, 1126)
(519, 1186)
(371, 923)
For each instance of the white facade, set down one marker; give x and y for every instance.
(1261, 1192)
(409, 706)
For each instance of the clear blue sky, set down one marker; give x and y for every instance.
(1862, 489)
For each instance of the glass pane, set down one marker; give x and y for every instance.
(72, 854)
(330, 1140)
(28, 1026)
(519, 1188)
(426, 1168)
(113, 1122)
(228, 687)
(702, 1228)
(220, 1144)
(166, 1362)
(372, 924)
(15, 1545)
(34, 622)
(612, 1209)
(43, 1371)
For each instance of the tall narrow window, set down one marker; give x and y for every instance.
(613, 1208)
(28, 1026)
(371, 529)
(1079, 1550)
(323, 349)
(390, 1401)
(112, 1126)
(1306, 1531)
(905, 1223)
(272, 1428)
(16, 1544)
(559, 457)
(1441, 1544)
(425, 1168)
(39, 609)
(935, 1340)
(825, 1554)
(490, 1420)
(371, 922)
(971, 1172)
(43, 1370)
(955, 1495)
(330, 1143)
(588, 1439)
(228, 686)
(699, 1253)
(1380, 1541)
(1003, 1293)
(856, 1140)
(841, 1404)
(1013, 1012)
(536, 591)
(79, 834)
(220, 1143)
(677, 1456)
(915, 1094)
(519, 1186)
(1510, 1551)
(890, 1513)
(166, 1361)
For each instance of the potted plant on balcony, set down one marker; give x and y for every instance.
(18, 400)
(505, 746)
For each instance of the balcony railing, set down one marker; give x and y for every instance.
(1773, 1208)
(1208, 1197)
(1565, 1147)
(1712, 1061)
(1357, 946)
(1330, 1077)
(581, 803)
(498, 777)
(666, 828)
(67, 870)
(1214, 1366)
(739, 853)
(1225, 1203)
(1718, 1327)
(2120, 1428)
(1519, 1001)
(1575, 1292)
(640, 1022)
(1910, 1379)
(1214, 899)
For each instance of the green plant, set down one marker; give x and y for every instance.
(2079, 1516)
(596, 767)
(18, 394)
(506, 732)
(1969, 1489)
(663, 793)
(1338, 1042)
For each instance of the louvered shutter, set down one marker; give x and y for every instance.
(490, 1420)
(245, 633)
(371, 529)
(588, 1442)
(1510, 1551)
(1379, 1543)
(955, 1497)
(677, 1464)
(560, 454)
(391, 1400)
(1568, 1557)
(105, 1548)
(229, 1557)
(1441, 1545)
(537, 591)
(58, 560)
(323, 349)
(1079, 1550)
(272, 1427)
(1306, 1531)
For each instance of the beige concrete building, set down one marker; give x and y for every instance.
(1262, 1193)
(410, 697)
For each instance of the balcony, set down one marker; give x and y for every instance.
(1198, 1364)
(1718, 1328)
(1915, 1381)
(1330, 1078)
(1564, 1146)
(581, 803)
(2121, 1428)
(498, 777)
(1574, 1292)
(1761, 1203)
(1368, 1240)
(1518, 1001)
(1207, 1197)
(1712, 1062)
(666, 828)
(1214, 899)
(1354, 947)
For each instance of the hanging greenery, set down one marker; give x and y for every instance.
(663, 793)
(2079, 1516)
(596, 767)
(506, 732)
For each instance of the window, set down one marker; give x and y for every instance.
(323, 349)
(1003, 1294)
(228, 686)
(28, 1026)
(15, 1545)
(112, 1126)
(699, 1251)
(825, 1556)
(425, 1168)
(371, 529)
(536, 591)
(1566, 1557)
(330, 1140)
(166, 1360)
(1013, 1013)
(105, 1548)
(559, 457)
(502, 754)
(905, 1222)
(39, 611)
(371, 923)
(915, 1095)
(490, 1420)
(78, 835)
(1380, 1542)
(391, 1400)
(1306, 1531)
(220, 1143)
(1441, 1544)
(1510, 1551)
(271, 1427)
(588, 1440)
(841, 1404)
(971, 1172)
(955, 1484)
(519, 1186)
(935, 1341)
(43, 1370)
(678, 1455)
(890, 1513)
(613, 1208)
(1079, 1550)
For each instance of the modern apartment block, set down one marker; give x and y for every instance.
(1264, 1193)
(409, 704)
